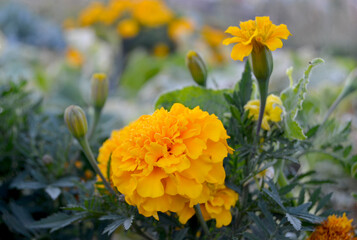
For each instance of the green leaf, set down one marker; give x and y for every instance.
(212, 101)
(57, 221)
(292, 99)
(354, 170)
(294, 221)
(113, 226)
(243, 88)
(274, 194)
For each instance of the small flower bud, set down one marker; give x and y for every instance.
(100, 88)
(76, 121)
(197, 68)
(261, 61)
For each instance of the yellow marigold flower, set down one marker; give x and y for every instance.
(152, 13)
(216, 202)
(334, 228)
(180, 27)
(128, 28)
(254, 34)
(69, 23)
(212, 36)
(161, 50)
(91, 14)
(273, 110)
(162, 161)
(74, 57)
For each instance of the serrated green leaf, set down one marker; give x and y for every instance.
(295, 222)
(113, 226)
(323, 202)
(243, 88)
(292, 99)
(57, 221)
(274, 194)
(212, 101)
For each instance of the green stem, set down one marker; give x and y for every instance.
(282, 180)
(263, 91)
(201, 219)
(89, 154)
(97, 112)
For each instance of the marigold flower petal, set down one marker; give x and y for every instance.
(240, 51)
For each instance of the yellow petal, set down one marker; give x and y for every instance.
(194, 147)
(281, 31)
(273, 43)
(217, 150)
(185, 214)
(265, 124)
(240, 51)
(228, 41)
(235, 31)
(188, 187)
(151, 186)
(198, 170)
(224, 218)
(217, 174)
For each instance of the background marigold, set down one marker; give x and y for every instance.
(334, 228)
(163, 161)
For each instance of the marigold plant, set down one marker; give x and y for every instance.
(168, 159)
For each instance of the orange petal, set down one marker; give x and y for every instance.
(240, 51)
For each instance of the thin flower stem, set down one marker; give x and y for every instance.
(89, 154)
(201, 219)
(97, 113)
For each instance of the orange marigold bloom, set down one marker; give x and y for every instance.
(74, 57)
(334, 228)
(213, 36)
(180, 27)
(163, 161)
(254, 34)
(128, 28)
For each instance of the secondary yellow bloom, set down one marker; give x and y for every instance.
(114, 10)
(163, 161)
(334, 228)
(273, 110)
(152, 13)
(180, 27)
(128, 28)
(217, 203)
(255, 34)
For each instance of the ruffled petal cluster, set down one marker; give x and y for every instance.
(334, 228)
(254, 34)
(165, 161)
(273, 110)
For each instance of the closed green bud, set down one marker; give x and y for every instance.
(100, 87)
(197, 68)
(261, 61)
(76, 121)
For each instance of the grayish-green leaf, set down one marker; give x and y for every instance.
(294, 221)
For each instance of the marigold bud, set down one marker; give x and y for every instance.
(76, 121)
(197, 68)
(100, 88)
(261, 61)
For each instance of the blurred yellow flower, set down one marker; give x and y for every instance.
(69, 23)
(212, 36)
(180, 27)
(254, 34)
(334, 228)
(273, 110)
(161, 50)
(163, 161)
(91, 14)
(88, 174)
(74, 57)
(114, 10)
(128, 28)
(152, 13)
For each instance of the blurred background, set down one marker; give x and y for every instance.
(56, 46)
